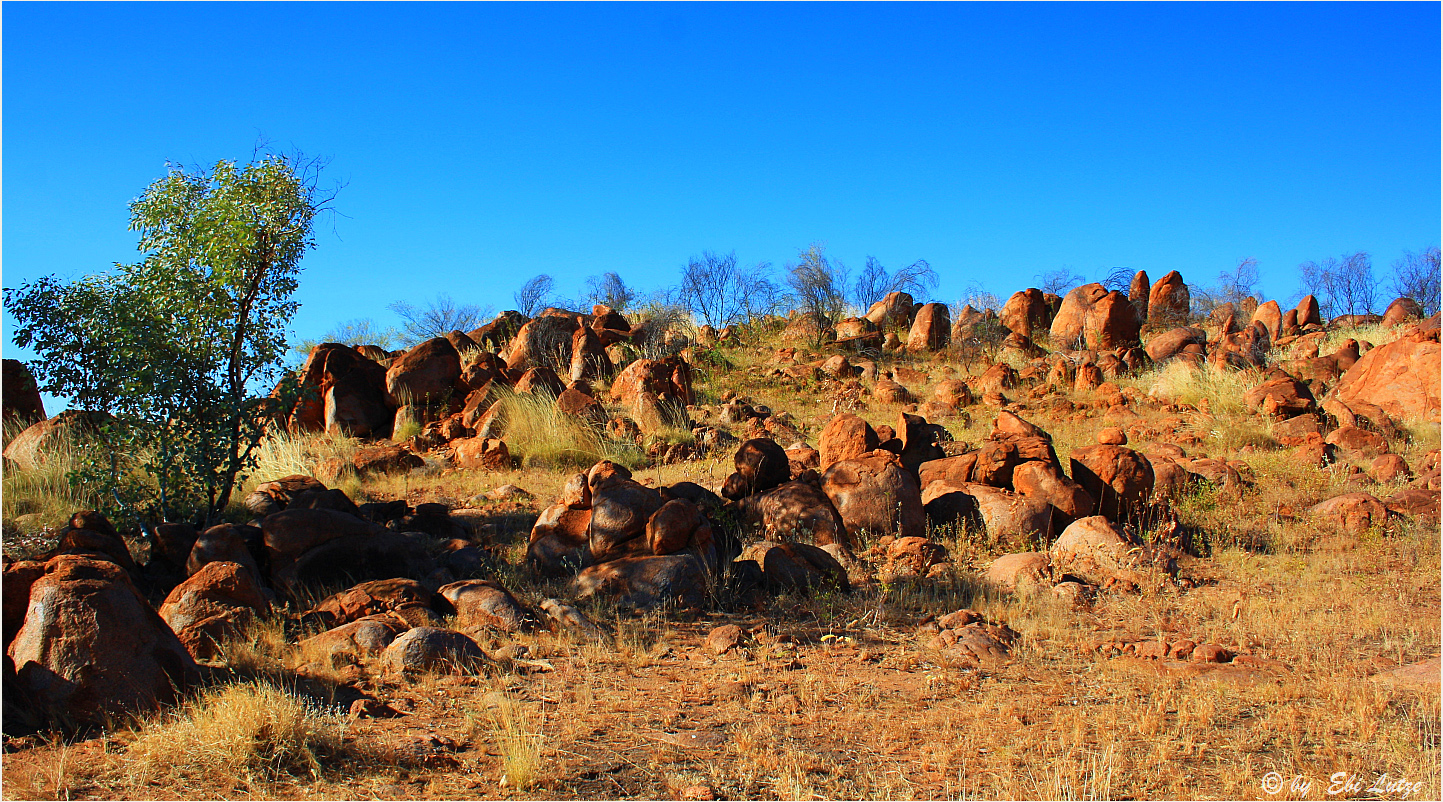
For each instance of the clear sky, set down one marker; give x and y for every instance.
(482, 144)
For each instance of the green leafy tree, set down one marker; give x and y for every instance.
(182, 347)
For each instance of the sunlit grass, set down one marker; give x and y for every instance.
(543, 436)
(1180, 382)
(245, 735)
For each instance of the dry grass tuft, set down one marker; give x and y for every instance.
(44, 495)
(261, 649)
(543, 436)
(517, 736)
(1218, 390)
(1375, 333)
(244, 735)
(284, 454)
(52, 779)
(406, 429)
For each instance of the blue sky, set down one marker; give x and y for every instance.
(482, 144)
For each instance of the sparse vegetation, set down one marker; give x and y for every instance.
(518, 738)
(1343, 286)
(874, 282)
(819, 287)
(436, 318)
(244, 736)
(1232, 287)
(718, 292)
(832, 694)
(542, 436)
(534, 295)
(1417, 276)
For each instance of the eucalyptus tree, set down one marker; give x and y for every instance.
(183, 346)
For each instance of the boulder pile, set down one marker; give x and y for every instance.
(858, 503)
(452, 387)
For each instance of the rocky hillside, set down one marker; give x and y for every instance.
(923, 551)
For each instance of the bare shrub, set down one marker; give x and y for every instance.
(533, 295)
(1343, 286)
(1416, 276)
(362, 331)
(818, 286)
(720, 293)
(436, 318)
(1058, 281)
(1117, 278)
(1232, 287)
(874, 282)
(608, 289)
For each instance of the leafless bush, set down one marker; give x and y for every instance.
(1058, 281)
(1118, 278)
(608, 289)
(719, 292)
(363, 331)
(818, 286)
(1342, 286)
(436, 318)
(1232, 287)
(874, 282)
(1416, 276)
(978, 298)
(533, 295)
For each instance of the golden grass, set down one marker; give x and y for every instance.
(1214, 389)
(245, 736)
(406, 429)
(1375, 333)
(261, 649)
(542, 436)
(50, 779)
(283, 454)
(44, 495)
(516, 734)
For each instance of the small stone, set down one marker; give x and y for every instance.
(1112, 436)
(373, 708)
(723, 639)
(508, 493)
(1211, 653)
(512, 651)
(1180, 650)
(958, 619)
(731, 690)
(787, 703)
(1150, 650)
(1075, 594)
